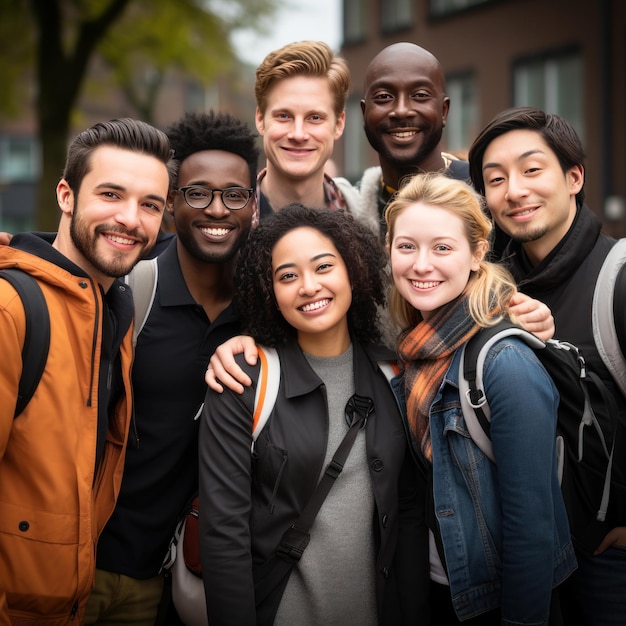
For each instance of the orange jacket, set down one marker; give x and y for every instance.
(52, 507)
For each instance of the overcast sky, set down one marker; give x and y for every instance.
(298, 20)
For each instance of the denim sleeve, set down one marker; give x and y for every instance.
(524, 403)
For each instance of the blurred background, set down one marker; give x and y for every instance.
(65, 64)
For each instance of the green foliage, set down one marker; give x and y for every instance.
(166, 34)
(16, 55)
(47, 48)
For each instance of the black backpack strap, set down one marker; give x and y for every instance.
(296, 538)
(37, 336)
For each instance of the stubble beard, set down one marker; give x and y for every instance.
(87, 245)
(528, 234)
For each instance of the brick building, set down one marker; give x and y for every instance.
(565, 56)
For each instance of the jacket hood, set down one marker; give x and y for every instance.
(28, 250)
(34, 254)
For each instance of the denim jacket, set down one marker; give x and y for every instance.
(503, 525)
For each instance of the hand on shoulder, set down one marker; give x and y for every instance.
(533, 315)
(223, 371)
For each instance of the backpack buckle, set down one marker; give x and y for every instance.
(476, 398)
(292, 544)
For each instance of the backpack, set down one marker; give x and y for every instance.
(585, 424)
(37, 333)
(142, 280)
(603, 314)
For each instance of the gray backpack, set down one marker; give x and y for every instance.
(603, 312)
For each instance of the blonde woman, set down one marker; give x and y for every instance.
(500, 537)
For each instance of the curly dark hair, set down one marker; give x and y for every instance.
(196, 132)
(359, 247)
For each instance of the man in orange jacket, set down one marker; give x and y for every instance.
(61, 458)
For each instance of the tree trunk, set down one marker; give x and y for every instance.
(54, 145)
(60, 75)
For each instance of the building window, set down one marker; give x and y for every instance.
(439, 8)
(460, 128)
(354, 20)
(553, 83)
(19, 159)
(354, 141)
(396, 15)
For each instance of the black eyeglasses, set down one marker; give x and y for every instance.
(233, 198)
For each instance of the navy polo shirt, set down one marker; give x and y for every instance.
(161, 470)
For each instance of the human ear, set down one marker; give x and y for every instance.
(65, 197)
(482, 247)
(341, 123)
(576, 178)
(258, 120)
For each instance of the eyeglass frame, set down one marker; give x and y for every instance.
(183, 191)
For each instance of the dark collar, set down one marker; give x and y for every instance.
(172, 286)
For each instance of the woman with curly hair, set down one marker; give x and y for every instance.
(308, 284)
(501, 539)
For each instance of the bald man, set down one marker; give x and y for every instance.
(405, 108)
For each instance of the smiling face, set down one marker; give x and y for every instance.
(527, 192)
(312, 290)
(431, 259)
(405, 108)
(213, 234)
(299, 127)
(115, 216)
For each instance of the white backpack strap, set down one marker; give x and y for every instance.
(143, 282)
(476, 431)
(266, 390)
(604, 333)
(478, 435)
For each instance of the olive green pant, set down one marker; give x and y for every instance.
(118, 600)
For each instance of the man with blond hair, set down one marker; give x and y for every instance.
(301, 91)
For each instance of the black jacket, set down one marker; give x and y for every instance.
(245, 507)
(565, 280)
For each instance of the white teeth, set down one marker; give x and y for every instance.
(215, 232)
(315, 305)
(122, 240)
(429, 285)
(405, 134)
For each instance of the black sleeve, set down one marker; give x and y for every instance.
(411, 563)
(224, 506)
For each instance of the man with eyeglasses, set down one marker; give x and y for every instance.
(212, 208)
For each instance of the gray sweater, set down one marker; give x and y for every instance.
(334, 583)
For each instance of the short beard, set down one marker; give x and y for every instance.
(86, 244)
(528, 234)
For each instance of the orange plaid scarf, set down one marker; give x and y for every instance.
(427, 351)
